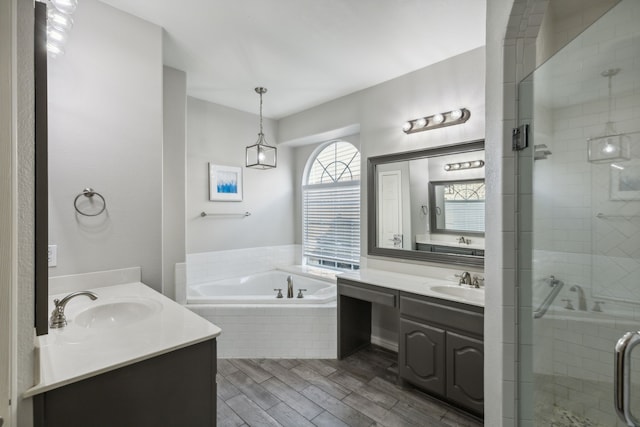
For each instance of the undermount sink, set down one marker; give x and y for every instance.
(116, 313)
(470, 294)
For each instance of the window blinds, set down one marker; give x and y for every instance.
(331, 224)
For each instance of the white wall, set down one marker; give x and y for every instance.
(219, 135)
(105, 132)
(174, 161)
(381, 110)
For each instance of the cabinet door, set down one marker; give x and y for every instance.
(421, 355)
(465, 371)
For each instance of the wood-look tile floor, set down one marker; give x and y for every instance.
(357, 391)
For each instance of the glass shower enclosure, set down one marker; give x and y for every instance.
(579, 230)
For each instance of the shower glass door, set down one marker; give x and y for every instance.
(579, 229)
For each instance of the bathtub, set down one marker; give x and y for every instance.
(256, 324)
(259, 289)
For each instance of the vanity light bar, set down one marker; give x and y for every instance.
(464, 165)
(450, 118)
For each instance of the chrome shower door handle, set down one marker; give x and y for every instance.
(622, 377)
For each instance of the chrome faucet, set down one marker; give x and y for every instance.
(58, 320)
(582, 301)
(289, 287)
(465, 278)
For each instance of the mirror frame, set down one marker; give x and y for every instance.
(372, 203)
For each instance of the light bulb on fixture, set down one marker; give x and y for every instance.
(54, 49)
(406, 126)
(65, 6)
(55, 35)
(438, 118)
(59, 20)
(456, 114)
(609, 147)
(420, 123)
(447, 167)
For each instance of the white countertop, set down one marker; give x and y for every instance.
(74, 353)
(417, 285)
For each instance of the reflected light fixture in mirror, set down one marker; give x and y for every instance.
(59, 23)
(464, 165)
(612, 146)
(450, 118)
(261, 155)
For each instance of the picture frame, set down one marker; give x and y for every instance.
(625, 181)
(225, 183)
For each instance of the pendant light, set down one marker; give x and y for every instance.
(261, 155)
(611, 146)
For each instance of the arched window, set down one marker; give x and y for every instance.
(331, 207)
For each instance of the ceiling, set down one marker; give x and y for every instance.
(305, 52)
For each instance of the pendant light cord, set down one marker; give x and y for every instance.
(261, 109)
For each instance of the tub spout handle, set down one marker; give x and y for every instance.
(289, 286)
(279, 292)
(300, 293)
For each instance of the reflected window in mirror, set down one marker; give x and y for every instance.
(457, 207)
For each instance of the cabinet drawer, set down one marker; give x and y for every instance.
(433, 312)
(377, 296)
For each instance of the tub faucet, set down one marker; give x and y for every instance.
(289, 286)
(58, 320)
(582, 301)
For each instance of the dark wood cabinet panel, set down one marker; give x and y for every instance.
(441, 349)
(465, 366)
(422, 356)
(171, 390)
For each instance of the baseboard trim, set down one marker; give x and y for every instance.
(389, 345)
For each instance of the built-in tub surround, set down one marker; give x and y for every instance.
(259, 324)
(94, 342)
(204, 267)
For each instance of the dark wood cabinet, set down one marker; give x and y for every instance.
(465, 366)
(441, 349)
(170, 390)
(421, 356)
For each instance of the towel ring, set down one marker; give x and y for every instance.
(89, 192)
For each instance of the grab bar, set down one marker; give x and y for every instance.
(556, 287)
(203, 214)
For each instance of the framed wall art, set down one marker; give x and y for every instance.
(225, 183)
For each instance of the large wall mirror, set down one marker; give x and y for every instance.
(428, 205)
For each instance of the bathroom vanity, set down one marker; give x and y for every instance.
(132, 358)
(440, 334)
